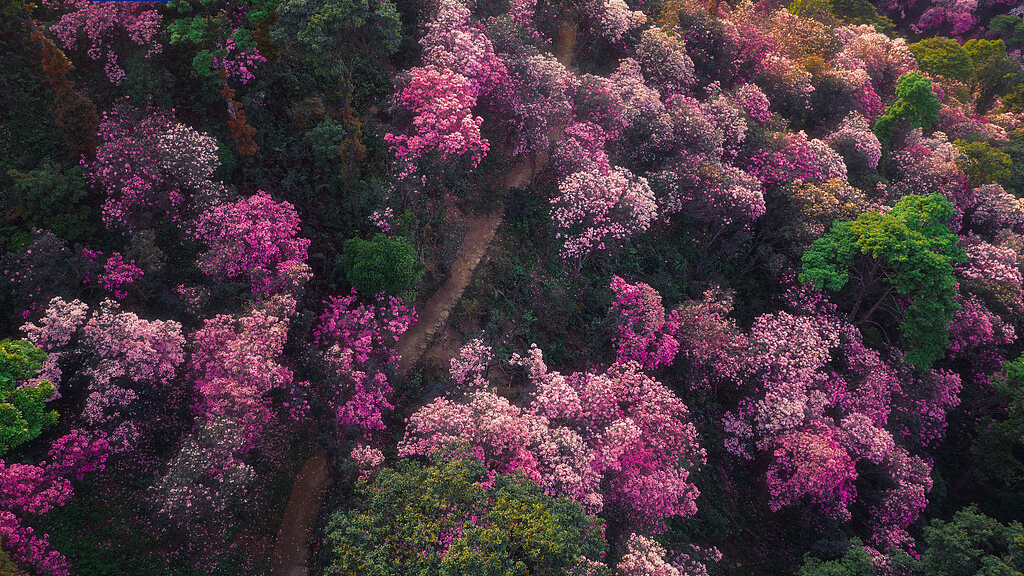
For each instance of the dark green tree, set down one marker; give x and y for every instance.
(388, 265)
(906, 254)
(332, 35)
(855, 562)
(915, 102)
(55, 201)
(444, 520)
(1001, 436)
(861, 12)
(945, 57)
(23, 413)
(1009, 28)
(973, 545)
(996, 74)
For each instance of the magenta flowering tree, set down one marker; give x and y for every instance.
(369, 330)
(441, 101)
(360, 341)
(115, 273)
(106, 26)
(645, 446)
(238, 62)
(150, 167)
(596, 209)
(31, 490)
(254, 238)
(955, 17)
(754, 102)
(645, 333)
(797, 158)
(810, 463)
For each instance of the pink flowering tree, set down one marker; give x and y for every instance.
(665, 61)
(709, 341)
(811, 463)
(235, 362)
(206, 477)
(854, 139)
(645, 557)
(596, 209)
(106, 27)
(507, 438)
(645, 333)
(150, 168)
(456, 43)
(125, 356)
(541, 91)
(254, 238)
(441, 102)
(716, 194)
(823, 407)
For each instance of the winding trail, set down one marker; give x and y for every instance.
(291, 550)
(291, 555)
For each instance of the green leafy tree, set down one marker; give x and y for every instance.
(915, 102)
(855, 562)
(55, 201)
(996, 74)
(905, 254)
(945, 57)
(973, 545)
(388, 265)
(445, 520)
(23, 413)
(983, 163)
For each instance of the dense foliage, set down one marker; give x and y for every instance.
(587, 287)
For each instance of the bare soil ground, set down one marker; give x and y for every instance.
(291, 551)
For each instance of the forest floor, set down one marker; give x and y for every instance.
(291, 553)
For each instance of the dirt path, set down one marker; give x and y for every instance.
(291, 551)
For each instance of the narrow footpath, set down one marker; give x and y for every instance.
(291, 553)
